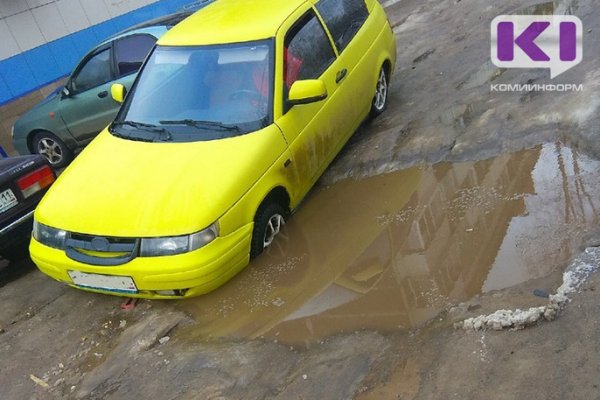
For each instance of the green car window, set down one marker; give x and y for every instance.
(131, 51)
(95, 72)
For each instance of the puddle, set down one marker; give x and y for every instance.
(391, 251)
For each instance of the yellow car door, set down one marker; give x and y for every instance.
(305, 52)
(345, 21)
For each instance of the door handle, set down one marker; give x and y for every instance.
(103, 94)
(340, 75)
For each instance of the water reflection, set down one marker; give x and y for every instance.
(391, 251)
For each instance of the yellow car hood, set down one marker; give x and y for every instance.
(124, 188)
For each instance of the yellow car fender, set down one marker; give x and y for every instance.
(277, 176)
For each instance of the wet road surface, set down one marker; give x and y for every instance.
(390, 252)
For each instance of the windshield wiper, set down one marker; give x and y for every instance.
(163, 134)
(202, 124)
(139, 125)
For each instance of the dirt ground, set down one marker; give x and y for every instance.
(58, 342)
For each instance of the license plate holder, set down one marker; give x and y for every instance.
(109, 283)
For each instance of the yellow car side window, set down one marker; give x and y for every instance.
(343, 19)
(307, 51)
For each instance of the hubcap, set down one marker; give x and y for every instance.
(273, 228)
(51, 150)
(381, 91)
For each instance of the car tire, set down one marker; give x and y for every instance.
(51, 147)
(381, 94)
(268, 222)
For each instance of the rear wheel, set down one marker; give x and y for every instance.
(381, 94)
(51, 147)
(268, 222)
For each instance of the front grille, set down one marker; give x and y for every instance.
(101, 250)
(112, 240)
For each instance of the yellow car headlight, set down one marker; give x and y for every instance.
(49, 236)
(165, 246)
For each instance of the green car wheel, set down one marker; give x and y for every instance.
(51, 147)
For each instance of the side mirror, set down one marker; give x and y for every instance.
(65, 91)
(307, 91)
(118, 92)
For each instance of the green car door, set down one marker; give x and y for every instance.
(86, 106)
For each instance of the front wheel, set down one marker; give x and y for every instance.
(268, 223)
(381, 94)
(51, 147)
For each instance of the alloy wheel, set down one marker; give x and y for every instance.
(274, 226)
(381, 91)
(51, 150)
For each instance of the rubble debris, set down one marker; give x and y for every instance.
(39, 381)
(164, 339)
(129, 304)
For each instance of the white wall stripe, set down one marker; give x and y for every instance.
(73, 15)
(95, 10)
(9, 45)
(25, 30)
(50, 22)
(10, 8)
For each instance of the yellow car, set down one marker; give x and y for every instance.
(225, 130)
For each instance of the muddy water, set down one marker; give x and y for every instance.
(390, 252)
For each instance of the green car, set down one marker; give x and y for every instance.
(73, 115)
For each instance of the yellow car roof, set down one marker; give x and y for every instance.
(231, 21)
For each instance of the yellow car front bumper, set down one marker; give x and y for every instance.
(194, 273)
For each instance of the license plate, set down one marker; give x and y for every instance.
(7, 200)
(111, 283)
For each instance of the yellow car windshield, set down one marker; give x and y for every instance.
(200, 93)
